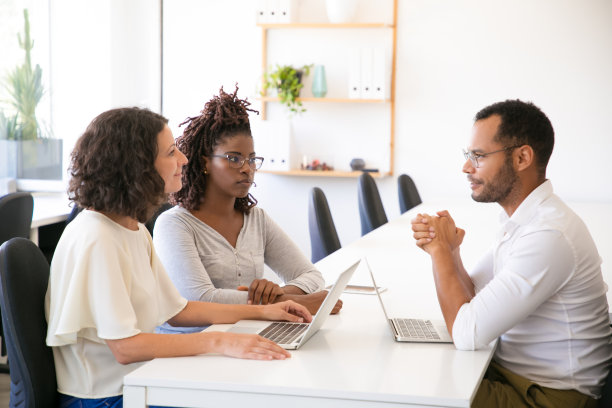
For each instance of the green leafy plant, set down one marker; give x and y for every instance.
(287, 81)
(24, 85)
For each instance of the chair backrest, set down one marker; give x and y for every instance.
(606, 392)
(24, 274)
(151, 223)
(323, 235)
(15, 215)
(371, 210)
(408, 194)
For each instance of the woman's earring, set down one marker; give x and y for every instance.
(205, 171)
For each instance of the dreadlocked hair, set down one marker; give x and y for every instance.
(225, 115)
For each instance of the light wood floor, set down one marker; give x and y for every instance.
(5, 382)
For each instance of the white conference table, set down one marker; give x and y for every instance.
(49, 208)
(352, 361)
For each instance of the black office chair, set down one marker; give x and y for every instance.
(323, 236)
(15, 221)
(15, 215)
(24, 274)
(151, 223)
(408, 194)
(371, 210)
(606, 392)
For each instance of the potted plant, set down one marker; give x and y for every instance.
(30, 152)
(287, 81)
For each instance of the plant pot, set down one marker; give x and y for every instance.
(39, 159)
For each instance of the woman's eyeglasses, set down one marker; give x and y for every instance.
(236, 161)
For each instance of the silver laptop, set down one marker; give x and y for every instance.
(289, 335)
(413, 330)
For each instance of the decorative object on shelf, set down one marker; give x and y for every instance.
(319, 83)
(341, 11)
(357, 164)
(26, 151)
(315, 164)
(287, 81)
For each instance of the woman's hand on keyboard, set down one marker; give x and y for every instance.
(288, 310)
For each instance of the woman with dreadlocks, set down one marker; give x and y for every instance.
(215, 242)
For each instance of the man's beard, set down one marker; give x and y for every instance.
(501, 186)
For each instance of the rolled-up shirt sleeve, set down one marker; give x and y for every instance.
(537, 265)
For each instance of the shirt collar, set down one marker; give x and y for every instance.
(525, 210)
(523, 214)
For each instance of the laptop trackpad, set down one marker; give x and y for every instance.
(244, 329)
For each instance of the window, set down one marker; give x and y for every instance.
(28, 149)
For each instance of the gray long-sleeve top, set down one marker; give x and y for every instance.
(204, 266)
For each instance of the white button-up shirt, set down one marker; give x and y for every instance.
(541, 291)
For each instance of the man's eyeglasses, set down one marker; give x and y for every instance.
(236, 161)
(474, 157)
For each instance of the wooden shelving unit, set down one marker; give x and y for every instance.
(325, 25)
(315, 173)
(326, 100)
(265, 27)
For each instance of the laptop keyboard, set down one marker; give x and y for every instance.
(284, 333)
(416, 329)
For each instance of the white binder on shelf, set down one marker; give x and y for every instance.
(354, 73)
(261, 9)
(273, 142)
(366, 73)
(287, 11)
(283, 148)
(272, 8)
(379, 74)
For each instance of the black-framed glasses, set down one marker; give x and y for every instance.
(474, 157)
(236, 161)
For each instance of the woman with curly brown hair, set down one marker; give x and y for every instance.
(107, 289)
(215, 242)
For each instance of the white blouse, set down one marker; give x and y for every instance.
(106, 282)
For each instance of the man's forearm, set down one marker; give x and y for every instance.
(463, 275)
(451, 287)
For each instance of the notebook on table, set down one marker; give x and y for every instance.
(292, 336)
(413, 330)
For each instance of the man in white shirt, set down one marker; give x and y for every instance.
(539, 289)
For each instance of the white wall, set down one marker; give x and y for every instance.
(104, 54)
(453, 58)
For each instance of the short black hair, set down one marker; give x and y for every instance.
(523, 123)
(113, 164)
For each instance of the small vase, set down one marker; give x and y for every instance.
(319, 83)
(341, 11)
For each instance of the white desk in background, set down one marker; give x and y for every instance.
(352, 361)
(49, 208)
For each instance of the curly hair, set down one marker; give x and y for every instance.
(113, 164)
(224, 116)
(523, 123)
